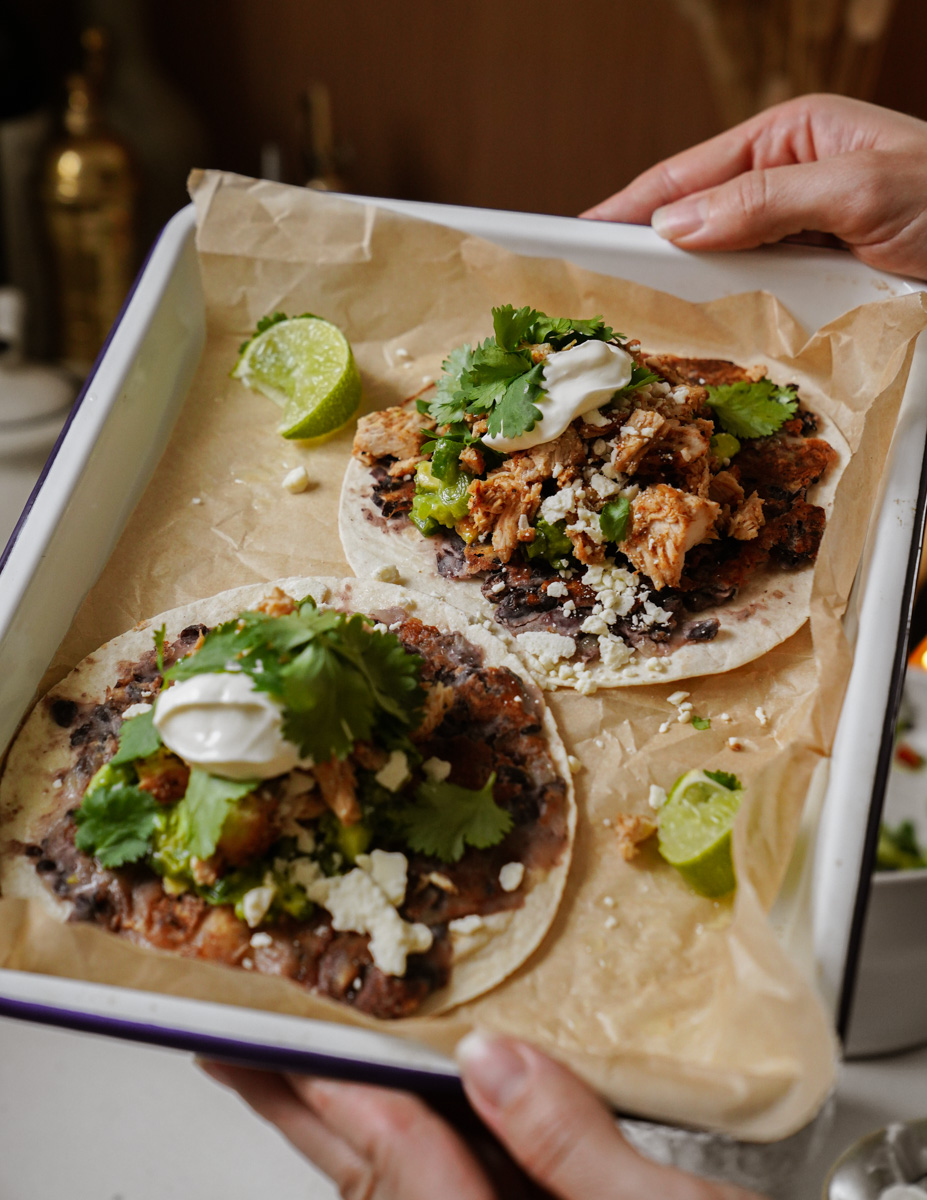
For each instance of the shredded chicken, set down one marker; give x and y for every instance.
(566, 451)
(632, 831)
(636, 437)
(665, 523)
(471, 459)
(506, 503)
(368, 756)
(438, 699)
(724, 489)
(746, 521)
(337, 785)
(276, 604)
(685, 441)
(392, 433)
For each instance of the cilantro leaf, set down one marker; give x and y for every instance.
(445, 818)
(640, 377)
(563, 329)
(198, 817)
(613, 519)
(449, 403)
(511, 324)
(725, 778)
(159, 646)
(749, 410)
(115, 824)
(702, 723)
(515, 413)
(137, 739)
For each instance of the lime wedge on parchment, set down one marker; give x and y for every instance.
(694, 832)
(306, 366)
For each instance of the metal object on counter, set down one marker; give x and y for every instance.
(879, 1166)
(88, 196)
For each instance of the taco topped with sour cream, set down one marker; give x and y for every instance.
(626, 516)
(305, 781)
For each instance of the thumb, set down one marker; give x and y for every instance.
(561, 1133)
(834, 196)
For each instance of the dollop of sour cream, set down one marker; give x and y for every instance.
(575, 382)
(221, 723)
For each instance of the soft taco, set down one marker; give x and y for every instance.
(377, 807)
(626, 516)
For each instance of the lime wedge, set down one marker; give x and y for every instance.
(306, 366)
(694, 832)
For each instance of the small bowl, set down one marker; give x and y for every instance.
(889, 1013)
(895, 1156)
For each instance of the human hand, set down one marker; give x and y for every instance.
(378, 1144)
(822, 163)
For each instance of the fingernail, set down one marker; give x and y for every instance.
(679, 220)
(493, 1068)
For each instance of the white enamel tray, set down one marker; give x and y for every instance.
(118, 430)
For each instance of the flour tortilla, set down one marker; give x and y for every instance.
(30, 804)
(768, 609)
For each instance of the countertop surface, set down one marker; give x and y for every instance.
(129, 1122)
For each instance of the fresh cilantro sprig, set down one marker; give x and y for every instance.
(614, 519)
(197, 819)
(703, 723)
(444, 819)
(266, 322)
(498, 378)
(339, 680)
(116, 824)
(137, 739)
(726, 779)
(749, 410)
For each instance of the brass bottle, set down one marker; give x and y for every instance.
(88, 196)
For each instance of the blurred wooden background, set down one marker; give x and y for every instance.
(543, 106)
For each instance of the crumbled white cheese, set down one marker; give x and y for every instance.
(611, 922)
(388, 573)
(684, 717)
(497, 588)
(357, 902)
(762, 717)
(607, 822)
(394, 772)
(569, 608)
(656, 665)
(261, 940)
(57, 783)
(389, 870)
(511, 875)
(614, 652)
(735, 743)
(608, 901)
(724, 716)
(665, 727)
(468, 924)
(436, 769)
(256, 902)
(594, 623)
(248, 964)
(657, 797)
(678, 697)
(296, 481)
(196, 500)
(586, 685)
(686, 706)
(602, 486)
(574, 764)
(557, 589)
(556, 507)
(596, 418)
(135, 710)
(547, 648)
(401, 352)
